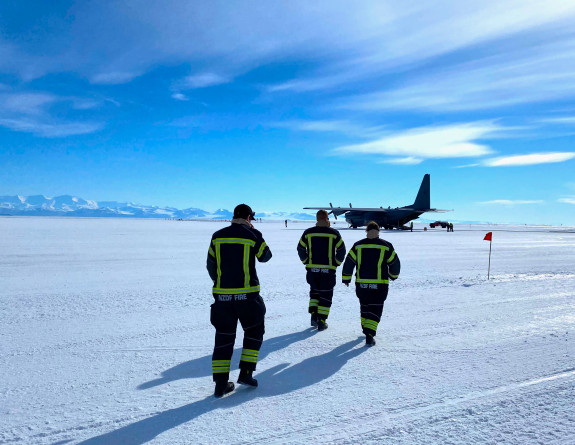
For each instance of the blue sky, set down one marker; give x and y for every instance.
(290, 104)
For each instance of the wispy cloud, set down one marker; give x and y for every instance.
(112, 43)
(30, 112)
(509, 202)
(567, 200)
(50, 130)
(567, 120)
(541, 73)
(410, 160)
(450, 141)
(528, 159)
(203, 80)
(26, 103)
(113, 78)
(332, 126)
(180, 96)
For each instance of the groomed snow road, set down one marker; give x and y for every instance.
(105, 339)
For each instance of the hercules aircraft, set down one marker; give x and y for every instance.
(387, 218)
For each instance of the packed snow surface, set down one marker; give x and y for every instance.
(105, 339)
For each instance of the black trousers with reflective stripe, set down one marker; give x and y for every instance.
(371, 304)
(224, 317)
(321, 286)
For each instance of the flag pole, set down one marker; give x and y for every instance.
(489, 267)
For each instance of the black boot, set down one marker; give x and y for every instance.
(223, 388)
(314, 320)
(369, 340)
(321, 325)
(246, 378)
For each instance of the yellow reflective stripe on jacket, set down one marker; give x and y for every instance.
(391, 258)
(339, 243)
(346, 277)
(246, 265)
(331, 237)
(211, 252)
(261, 251)
(393, 276)
(382, 249)
(247, 243)
(353, 255)
(304, 245)
(243, 290)
(250, 242)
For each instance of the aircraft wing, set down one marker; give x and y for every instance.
(347, 209)
(438, 211)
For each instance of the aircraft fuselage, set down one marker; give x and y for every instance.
(391, 219)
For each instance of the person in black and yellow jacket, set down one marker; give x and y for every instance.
(321, 249)
(231, 265)
(376, 262)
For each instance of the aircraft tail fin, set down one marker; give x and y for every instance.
(422, 201)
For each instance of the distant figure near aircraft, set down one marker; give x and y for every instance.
(286, 222)
(376, 263)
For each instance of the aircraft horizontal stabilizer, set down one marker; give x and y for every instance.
(437, 211)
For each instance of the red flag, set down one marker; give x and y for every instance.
(488, 237)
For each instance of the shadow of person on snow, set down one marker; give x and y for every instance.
(202, 367)
(276, 381)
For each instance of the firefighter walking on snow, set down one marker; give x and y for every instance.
(376, 262)
(321, 249)
(231, 265)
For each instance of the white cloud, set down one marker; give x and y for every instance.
(332, 126)
(113, 42)
(509, 202)
(50, 130)
(410, 160)
(113, 78)
(180, 96)
(203, 80)
(529, 159)
(570, 120)
(450, 141)
(26, 103)
(534, 73)
(567, 200)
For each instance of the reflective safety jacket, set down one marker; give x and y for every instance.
(321, 247)
(231, 259)
(376, 262)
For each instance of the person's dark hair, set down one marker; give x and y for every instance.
(243, 211)
(321, 215)
(372, 225)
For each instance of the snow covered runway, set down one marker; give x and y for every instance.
(105, 339)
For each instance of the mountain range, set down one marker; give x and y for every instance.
(67, 205)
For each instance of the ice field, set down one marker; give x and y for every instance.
(105, 339)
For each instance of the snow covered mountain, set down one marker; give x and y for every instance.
(67, 205)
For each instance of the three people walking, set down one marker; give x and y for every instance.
(231, 263)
